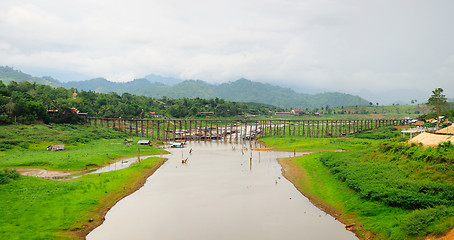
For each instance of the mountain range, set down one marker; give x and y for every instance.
(241, 90)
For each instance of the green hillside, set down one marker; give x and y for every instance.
(242, 90)
(9, 74)
(102, 85)
(186, 89)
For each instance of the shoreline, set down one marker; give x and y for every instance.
(109, 201)
(56, 173)
(294, 174)
(298, 176)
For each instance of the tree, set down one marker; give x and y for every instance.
(438, 102)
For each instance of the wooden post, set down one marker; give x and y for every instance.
(138, 155)
(158, 128)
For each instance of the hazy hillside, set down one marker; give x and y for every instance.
(185, 89)
(164, 80)
(242, 90)
(102, 85)
(248, 91)
(8, 74)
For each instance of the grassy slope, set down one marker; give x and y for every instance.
(322, 188)
(33, 208)
(384, 221)
(86, 147)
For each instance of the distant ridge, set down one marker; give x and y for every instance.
(241, 90)
(164, 80)
(8, 74)
(105, 86)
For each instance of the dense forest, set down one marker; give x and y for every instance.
(26, 103)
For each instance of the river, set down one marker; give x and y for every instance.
(223, 191)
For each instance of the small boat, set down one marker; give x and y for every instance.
(177, 145)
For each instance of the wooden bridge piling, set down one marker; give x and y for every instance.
(194, 129)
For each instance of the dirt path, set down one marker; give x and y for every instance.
(449, 236)
(44, 173)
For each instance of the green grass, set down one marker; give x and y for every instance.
(375, 217)
(316, 144)
(392, 189)
(86, 147)
(34, 208)
(384, 221)
(76, 157)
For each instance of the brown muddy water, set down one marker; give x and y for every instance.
(223, 191)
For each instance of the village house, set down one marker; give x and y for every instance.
(297, 112)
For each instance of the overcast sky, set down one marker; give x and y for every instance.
(362, 47)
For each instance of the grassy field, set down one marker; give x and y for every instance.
(86, 147)
(34, 208)
(388, 188)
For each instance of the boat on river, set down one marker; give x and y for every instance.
(177, 145)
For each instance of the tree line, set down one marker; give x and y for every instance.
(27, 102)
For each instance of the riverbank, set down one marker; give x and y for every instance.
(98, 217)
(48, 209)
(308, 183)
(375, 189)
(36, 208)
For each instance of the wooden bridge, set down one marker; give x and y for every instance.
(201, 129)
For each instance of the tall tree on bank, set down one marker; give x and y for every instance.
(438, 101)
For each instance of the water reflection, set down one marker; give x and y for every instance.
(221, 191)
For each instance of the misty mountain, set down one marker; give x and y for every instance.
(164, 80)
(242, 90)
(105, 86)
(8, 74)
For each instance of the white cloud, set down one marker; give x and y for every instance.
(334, 45)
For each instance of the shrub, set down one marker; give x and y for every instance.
(384, 182)
(7, 175)
(417, 222)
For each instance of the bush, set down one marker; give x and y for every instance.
(385, 182)
(7, 175)
(417, 222)
(377, 134)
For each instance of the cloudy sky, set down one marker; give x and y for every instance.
(371, 48)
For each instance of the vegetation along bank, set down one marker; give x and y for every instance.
(35, 208)
(377, 184)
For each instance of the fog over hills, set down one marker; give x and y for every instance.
(241, 90)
